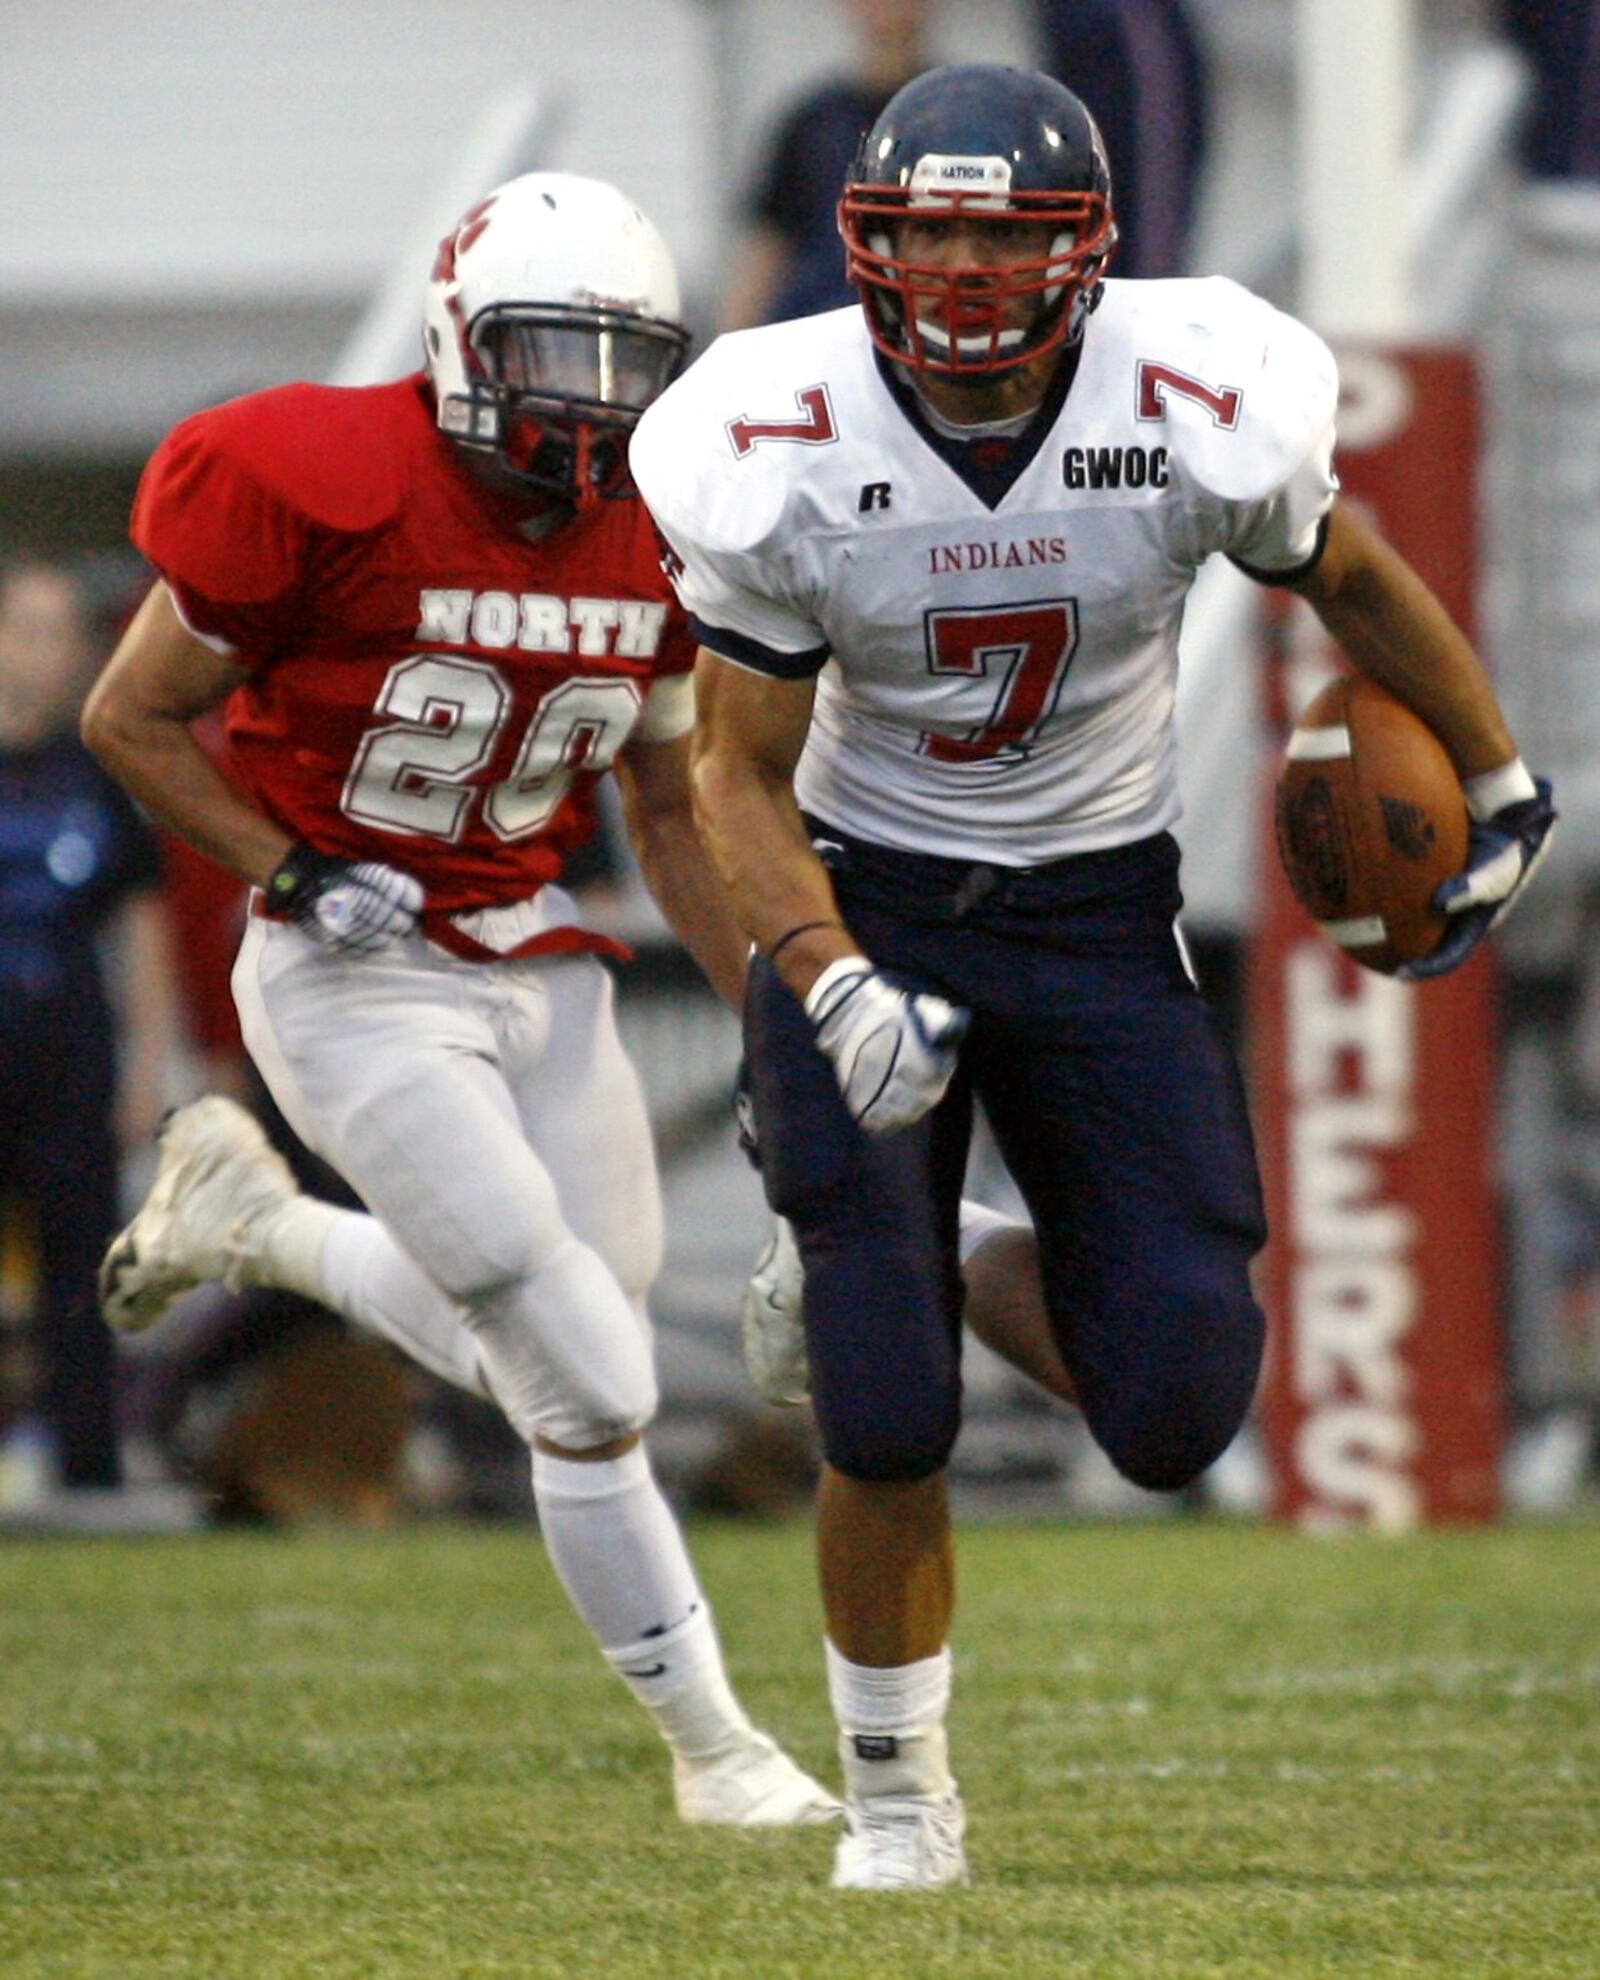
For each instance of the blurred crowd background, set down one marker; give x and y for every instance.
(201, 202)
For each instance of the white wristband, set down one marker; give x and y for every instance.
(1495, 789)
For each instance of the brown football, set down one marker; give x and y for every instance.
(1370, 819)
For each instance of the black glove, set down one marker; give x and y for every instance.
(344, 905)
(1504, 851)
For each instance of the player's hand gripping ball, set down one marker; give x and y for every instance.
(1372, 821)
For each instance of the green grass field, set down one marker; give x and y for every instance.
(1188, 1750)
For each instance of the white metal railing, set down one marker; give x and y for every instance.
(520, 129)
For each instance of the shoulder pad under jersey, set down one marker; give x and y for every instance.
(722, 456)
(333, 453)
(1244, 391)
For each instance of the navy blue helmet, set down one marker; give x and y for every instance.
(1012, 150)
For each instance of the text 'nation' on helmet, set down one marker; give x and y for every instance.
(552, 320)
(990, 144)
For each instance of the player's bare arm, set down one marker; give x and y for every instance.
(1396, 631)
(893, 1048)
(653, 778)
(138, 722)
(748, 738)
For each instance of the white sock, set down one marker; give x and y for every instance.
(616, 1546)
(284, 1248)
(979, 1223)
(891, 1725)
(357, 1269)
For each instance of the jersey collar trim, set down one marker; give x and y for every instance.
(989, 468)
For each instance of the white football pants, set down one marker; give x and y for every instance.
(489, 1118)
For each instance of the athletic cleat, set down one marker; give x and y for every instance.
(753, 1786)
(218, 1177)
(772, 1315)
(910, 1842)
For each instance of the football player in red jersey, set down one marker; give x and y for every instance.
(436, 614)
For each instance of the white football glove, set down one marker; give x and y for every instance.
(893, 1050)
(349, 906)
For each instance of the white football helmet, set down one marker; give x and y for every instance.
(552, 321)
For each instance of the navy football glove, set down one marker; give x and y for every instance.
(354, 907)
(1504, 851)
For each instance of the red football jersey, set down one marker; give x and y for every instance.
(428, 687)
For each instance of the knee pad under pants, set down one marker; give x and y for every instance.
(564, 1353)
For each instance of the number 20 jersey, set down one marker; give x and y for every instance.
(997, 663)
(426, 685)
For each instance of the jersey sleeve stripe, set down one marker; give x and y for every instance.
(185, 611)
(1290, 572)
(758, 657)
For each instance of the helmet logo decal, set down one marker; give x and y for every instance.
(936, 175)
(623, 305)
(467, 230)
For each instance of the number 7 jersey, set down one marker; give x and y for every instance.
(993, 621)
(426, 685)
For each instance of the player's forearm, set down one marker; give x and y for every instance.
(763, 856)
(1396, 631)
(684, 885)
(158, 762)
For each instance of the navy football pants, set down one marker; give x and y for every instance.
(1119, 1111)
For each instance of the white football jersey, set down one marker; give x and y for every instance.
(997, 675)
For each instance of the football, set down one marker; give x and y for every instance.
(1370, 819)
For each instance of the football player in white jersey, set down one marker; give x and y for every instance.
(937, 550)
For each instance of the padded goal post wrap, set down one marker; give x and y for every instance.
(1383, 1398)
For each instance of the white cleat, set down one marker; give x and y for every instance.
(217, 1179)
(772, 1315)
(754, 1785)
(911, 1842)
